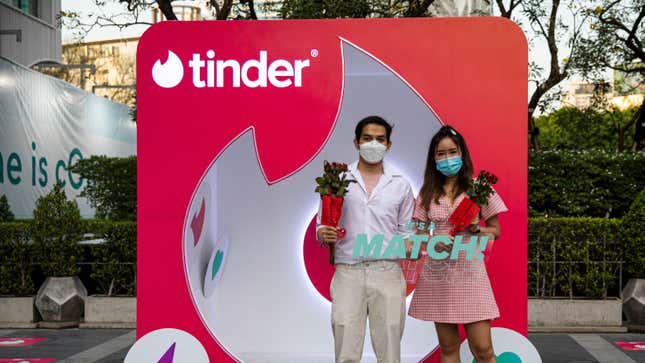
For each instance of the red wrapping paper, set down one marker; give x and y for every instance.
(463, 215)
(332, 208)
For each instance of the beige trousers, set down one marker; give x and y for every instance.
(375, 289)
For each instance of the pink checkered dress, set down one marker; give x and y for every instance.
(454, 291)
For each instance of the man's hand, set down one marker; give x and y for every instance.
(327, 235)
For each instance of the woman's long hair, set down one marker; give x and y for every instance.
(433, 180)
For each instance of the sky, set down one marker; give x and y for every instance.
(539, 52)
(85, 7)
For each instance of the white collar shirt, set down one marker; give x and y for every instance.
(389, 207)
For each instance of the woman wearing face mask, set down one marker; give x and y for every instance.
(451, 292)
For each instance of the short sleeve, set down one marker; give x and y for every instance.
(494, 206)
(420, 213)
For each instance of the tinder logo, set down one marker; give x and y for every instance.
(170, 73)
(209, 72)
(181, 347)
(169, 356)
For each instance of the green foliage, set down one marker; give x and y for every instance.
(575, 129)
(584, 183)
(482, 187)
(111, 187)
(114, 262)
(5, 211)
(97, 227)
(331, 183)
(56, 232)
(574, 257)
(332, 9)
(316, 9)
(16, 259)
(633, 238)
(614, 39)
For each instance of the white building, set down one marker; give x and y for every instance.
(581, 95)
(28, 31)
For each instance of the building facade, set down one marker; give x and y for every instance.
(28, 31)
(582, 95)
(104, 67)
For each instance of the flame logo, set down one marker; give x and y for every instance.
(169, 74)
(169, 355)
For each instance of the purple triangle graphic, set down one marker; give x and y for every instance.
(169, 355)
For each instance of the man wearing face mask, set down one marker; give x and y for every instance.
(380, 202)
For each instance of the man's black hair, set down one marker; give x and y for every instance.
(377, 120)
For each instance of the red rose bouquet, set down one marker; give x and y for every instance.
(478, 192)
(332, 188)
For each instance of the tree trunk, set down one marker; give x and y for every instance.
(639, 135)
(533, 130)
(166, 9)
(417, 8)
(250, 3)
(225, 10)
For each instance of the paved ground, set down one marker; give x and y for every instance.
(111, 346)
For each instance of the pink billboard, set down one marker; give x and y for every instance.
(235, 120)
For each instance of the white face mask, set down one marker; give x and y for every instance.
(372, 152)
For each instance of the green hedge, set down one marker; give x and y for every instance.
(114, 262)
(574, 257)
(633, 237)
(16, 259)
(110, 266)
(584, 183)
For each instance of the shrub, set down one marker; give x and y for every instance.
(574, 257)
(632, 237)
(111, 187)
(5, 211)
(584, 183)
(56, 232)
(114, 262)
(16, 258)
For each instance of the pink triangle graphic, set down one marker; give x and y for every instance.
(198, 222)
(169, 355)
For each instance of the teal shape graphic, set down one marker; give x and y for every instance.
(506, 357)
(217, 262)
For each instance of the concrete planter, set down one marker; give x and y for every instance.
(634, 305)
(60, 301)
(18, 312)
(110, 312)
(566, 315)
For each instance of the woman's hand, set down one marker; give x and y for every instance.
(408, 248)
(443, 247)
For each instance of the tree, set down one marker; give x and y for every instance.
(135, 10)
(320, 9)
(506, 10)
(571, 128)
(616, 42)
(111, 187)
(547, 24)
(5, 212)
(57, 230)
(325, 9)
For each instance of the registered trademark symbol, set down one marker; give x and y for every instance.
(314, 53)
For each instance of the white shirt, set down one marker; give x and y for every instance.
(386, 211)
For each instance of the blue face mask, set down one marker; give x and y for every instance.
(449, 166)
